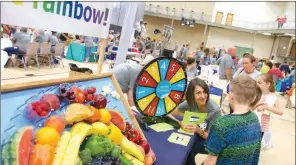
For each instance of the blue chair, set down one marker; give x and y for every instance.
(216, 94)
(115, 48)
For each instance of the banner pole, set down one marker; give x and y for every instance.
(101, 56)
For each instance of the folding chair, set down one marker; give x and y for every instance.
(45, 52)
(32, 51)
(58, 52)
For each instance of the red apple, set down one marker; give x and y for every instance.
(91, 90)
(100, 101)
(52, 100)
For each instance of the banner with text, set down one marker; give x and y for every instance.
(82, 18)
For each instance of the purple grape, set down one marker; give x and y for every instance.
(63, 90)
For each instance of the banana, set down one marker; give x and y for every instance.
(61, 148)
(132, 159)
(78, 133)
(72, 151)
(131, 148)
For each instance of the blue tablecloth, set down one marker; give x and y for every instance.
(76, 52)
(168, 153)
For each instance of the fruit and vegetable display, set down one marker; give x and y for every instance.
(76, 128)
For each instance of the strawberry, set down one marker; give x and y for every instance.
(43, 106)
(38, 109)
(43, 114)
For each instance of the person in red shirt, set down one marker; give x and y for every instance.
(278, 20)
(276, 73)
(283, 20)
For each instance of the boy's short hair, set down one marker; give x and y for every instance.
(246, 90)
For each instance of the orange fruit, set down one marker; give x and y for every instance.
(105, 116)
(47, 135)
(56, 122)
(96, 117)
(42, 155)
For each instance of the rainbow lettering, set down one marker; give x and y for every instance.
(77, 11)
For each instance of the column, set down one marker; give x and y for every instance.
(126, 32)
(290, 46)
(254, 38)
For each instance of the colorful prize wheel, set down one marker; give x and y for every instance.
(160, 87)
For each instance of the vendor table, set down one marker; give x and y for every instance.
(133, 54)
(168, 153)
(76, 51)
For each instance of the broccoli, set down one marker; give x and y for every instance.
(85, 156)
(98, 145)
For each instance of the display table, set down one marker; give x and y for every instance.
(76, 51)
(168, 153)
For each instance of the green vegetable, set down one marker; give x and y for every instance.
(99, 145)
(115, 152)
(124, 161)
(85, 156)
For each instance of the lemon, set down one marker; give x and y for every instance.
(100, 128)
(105, 116)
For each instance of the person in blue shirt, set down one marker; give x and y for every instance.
(285, 67)
(206, 58)
(185, 52)
(88, 41)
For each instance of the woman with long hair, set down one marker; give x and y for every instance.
(198, 100)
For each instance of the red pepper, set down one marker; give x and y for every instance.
(135, 136)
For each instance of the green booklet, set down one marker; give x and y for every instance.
(194, 117)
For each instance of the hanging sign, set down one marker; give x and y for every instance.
(82, 18)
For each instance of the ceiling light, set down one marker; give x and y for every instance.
(284, 47)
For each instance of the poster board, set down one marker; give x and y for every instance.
(14, 98)
(241, 50)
